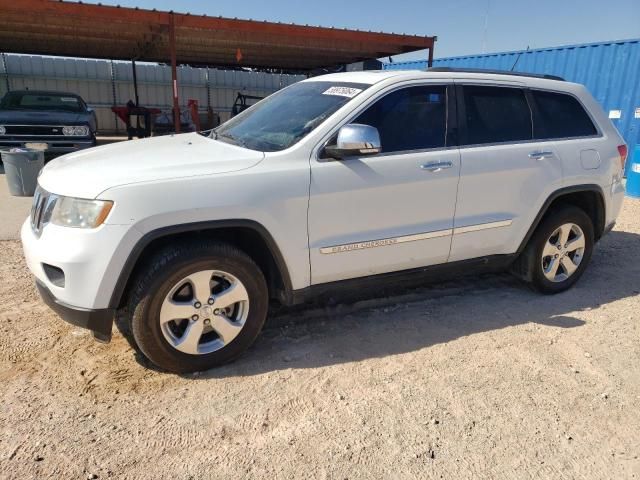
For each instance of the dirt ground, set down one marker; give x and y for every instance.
(478, 378)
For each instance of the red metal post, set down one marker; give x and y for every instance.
(174, 73)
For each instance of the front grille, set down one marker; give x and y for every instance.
(43, 203)
(33, 130)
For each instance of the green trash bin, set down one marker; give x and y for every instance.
(21, 167)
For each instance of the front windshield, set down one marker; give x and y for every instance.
(41, 101)
(287, 116)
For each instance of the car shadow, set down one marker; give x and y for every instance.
(410, 319)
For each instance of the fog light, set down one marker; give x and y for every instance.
(54, 274)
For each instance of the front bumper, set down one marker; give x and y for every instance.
(89, 261)
(100, 321)
(57, 146)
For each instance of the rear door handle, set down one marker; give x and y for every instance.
(436, 166)
(541, 155)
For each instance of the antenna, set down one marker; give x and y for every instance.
(518, 58)
(486, 28)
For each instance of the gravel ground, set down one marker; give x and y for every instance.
(479, 378)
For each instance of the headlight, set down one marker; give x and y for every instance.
(70, 131)
(2, 130)
(80, 213)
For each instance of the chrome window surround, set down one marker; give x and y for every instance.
(453, 83)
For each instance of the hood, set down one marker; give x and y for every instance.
(41, 117)
(90, 172)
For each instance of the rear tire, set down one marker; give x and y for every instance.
(181, 332)
(558, 252)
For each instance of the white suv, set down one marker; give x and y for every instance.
(338, 181)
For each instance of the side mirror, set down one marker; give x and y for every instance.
(354, 140)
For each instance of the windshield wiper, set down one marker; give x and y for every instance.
(231, 138)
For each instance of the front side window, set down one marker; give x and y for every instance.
(560, 116)
(284, 118)
(496, 115)
(412, 118)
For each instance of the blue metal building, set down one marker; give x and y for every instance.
(610, 70)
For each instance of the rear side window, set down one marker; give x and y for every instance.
(560, 116)
(496, 115)
(412, 118)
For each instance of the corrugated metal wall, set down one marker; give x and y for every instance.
(610, 70)
(103, 83)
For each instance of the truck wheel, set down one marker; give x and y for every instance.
(559, 251)
(198, 306)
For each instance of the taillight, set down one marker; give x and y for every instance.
(623, 151)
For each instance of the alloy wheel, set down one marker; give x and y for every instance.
(563, 252)
(204, 312)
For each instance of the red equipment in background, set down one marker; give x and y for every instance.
(130, 110)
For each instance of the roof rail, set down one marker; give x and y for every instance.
(497, 72)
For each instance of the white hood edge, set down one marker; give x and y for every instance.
(88, 173)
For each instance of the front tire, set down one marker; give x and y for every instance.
(559, 251)
(198, 306)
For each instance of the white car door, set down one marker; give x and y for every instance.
(390, 211)
(505, 174)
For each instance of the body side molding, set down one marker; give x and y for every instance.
(383, 242)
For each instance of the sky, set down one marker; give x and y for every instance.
(463, 27)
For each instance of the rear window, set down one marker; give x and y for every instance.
(496, 115)
(41, 101)
(560, 116)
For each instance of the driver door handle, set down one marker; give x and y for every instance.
(436, 166)
(540, 155)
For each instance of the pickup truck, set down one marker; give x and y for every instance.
(57, 122)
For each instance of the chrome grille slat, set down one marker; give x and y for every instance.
(33, 130)
(40, 204)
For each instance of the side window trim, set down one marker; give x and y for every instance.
(462, 116)
(450, 97)
(452, 137)
(533, 108)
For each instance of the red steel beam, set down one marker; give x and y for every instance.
(310, 39)
(106, 13)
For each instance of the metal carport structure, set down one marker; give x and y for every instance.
(49, 27)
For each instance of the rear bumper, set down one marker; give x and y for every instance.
(100, 322)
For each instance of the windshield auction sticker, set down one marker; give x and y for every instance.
(342, 91)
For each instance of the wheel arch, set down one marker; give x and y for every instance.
(248, 235)
(588, 197)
